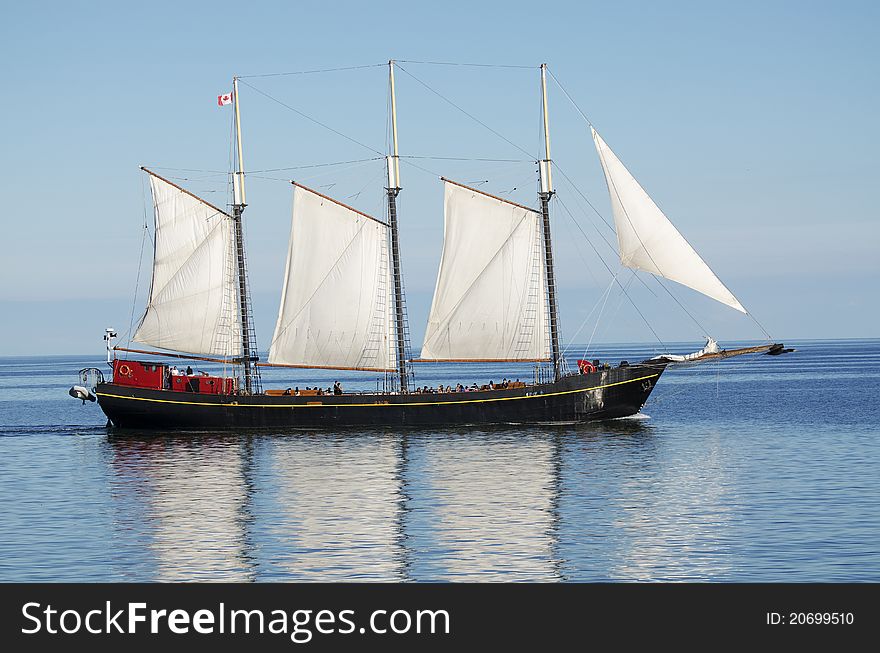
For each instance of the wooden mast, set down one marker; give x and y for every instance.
(249, 357)
(392, 190)
(544, 194)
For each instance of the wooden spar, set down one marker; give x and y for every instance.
(730, 353)
(170, 355)
(184, 190)
(479, 360)
(494, 197)
(329, 367)
(227, 362)
(345, 206)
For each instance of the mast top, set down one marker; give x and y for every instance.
(393, 158)
(238, 193)
(544, 165)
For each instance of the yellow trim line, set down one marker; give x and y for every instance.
(377, 403)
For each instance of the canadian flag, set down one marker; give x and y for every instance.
(224, 99)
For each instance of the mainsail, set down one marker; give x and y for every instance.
(490, 302)
(648, 241)
(193, 303)
(336, 305)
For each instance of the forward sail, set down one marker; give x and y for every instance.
(648, 241)
(336, 304)
(490, 302)
(193, 304)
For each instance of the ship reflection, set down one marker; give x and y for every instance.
(333, 510)
(186, 497)
(483, 505)
(451, 505)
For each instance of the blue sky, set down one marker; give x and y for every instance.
(753, 125)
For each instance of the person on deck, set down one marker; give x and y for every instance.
(337, 388)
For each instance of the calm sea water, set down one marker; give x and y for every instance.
(766, 469)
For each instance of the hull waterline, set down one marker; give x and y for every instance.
(605, 394)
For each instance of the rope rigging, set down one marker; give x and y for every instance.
(314, 120)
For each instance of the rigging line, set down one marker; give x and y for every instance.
(584, 197)
(146, 233)
(580, 254)
(613, 274)
(610, 246)
(761, 326)
(265, 178)
(352, 166)
(371, 182)
(201, 180)
(601, 235)
(570, 344)
(669, 292)
(336, 173)
(462, 158)
(318, 165)
(311, 72)
(455, 63)
(627, 285)
(471, 116)
(599, 316)
(218, 172)
(418, 167)
(570, 99)
(314, 120)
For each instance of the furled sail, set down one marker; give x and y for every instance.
(490, 302)
(648, 241)
(193, 303)
(336, 303)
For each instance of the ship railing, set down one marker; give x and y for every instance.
(90, 377)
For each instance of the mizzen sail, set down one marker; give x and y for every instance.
(648, 241)
(336, 305)
(490, 302)
(193, 304)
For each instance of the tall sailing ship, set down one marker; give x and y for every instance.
(342, 307)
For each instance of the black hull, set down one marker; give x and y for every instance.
(605, 394)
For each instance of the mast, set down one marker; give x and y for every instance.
(248, 334)
(392, 190)
(545, 193)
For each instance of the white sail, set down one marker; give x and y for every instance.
(193, 303)
(490, 298)
(336, 305)
(648, 241)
